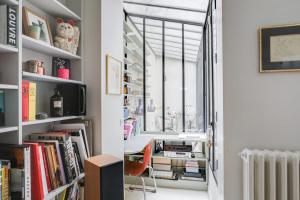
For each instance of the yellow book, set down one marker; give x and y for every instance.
(32, 101)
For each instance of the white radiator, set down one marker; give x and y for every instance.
(270, 175)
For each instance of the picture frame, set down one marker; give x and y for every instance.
(280, 48)
(32, 19)
(113, 76)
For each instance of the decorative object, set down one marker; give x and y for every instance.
(113, 76)
(31, 21)
(60, 63)
(34, 32)
(35, 66)
(63, 73)
(280, 48)
(41, 115)
(67, 36)
(56, 104)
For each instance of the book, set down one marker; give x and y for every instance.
(162, 167)
(78, 159)
(43, 171)
(25, 100)
(37, 190)
(32, 101)
(47, 176)
(49, 159)
(6, 165)
(0, 180)
(8, 25)
(55, 165)
(67, 163)
(17, 183)
(19, 156)
(161, 160)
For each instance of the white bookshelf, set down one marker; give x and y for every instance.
(13, 63)
(55, 8)
(10, 2)
(49, 120)
(42, 47)
(7, 49)
(46, 78)
(8, 87)
(7, 129)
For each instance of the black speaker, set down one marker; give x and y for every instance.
(104, 178)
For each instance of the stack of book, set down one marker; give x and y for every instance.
(162, 168)
(8, 25)
(192, 172)
(45, 162)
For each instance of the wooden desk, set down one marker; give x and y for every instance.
(136, 144)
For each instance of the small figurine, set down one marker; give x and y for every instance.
(67, 36)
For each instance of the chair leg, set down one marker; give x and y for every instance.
(154, 180)
(144, 187)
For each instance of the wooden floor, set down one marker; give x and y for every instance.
(168, 194)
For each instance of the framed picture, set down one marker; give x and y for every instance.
(113, 76)
(36, 26)
(280, 48)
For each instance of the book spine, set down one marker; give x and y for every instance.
(3, 24)
(72, 158)
(27, 173)
(60, 163)
(32, 101)
(5, 180)
(12, 26)
(43, 173)
(46, 168)
(0, 180)
(66, 162)
(25, 100)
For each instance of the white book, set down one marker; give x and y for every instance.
(43, 173)
(162, 167)
(3, 24)
(27, 169)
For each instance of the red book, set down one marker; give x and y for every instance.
(46, 168)
(25, 100)
(37, 192)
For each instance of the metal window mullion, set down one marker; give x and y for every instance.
(183, 82)
(163, 76)
(144, 72)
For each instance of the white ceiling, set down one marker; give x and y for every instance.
(190, 12)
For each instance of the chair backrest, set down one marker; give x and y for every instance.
(147, 155)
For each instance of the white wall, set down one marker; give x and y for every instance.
(104, 20)
(260, 110)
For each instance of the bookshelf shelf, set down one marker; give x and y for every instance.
(8, 87)
(160, 155)
(59, 190)
(7, 129)
(49, 120)
(45, 78)
(10, 2)
(55, 8)
(43, 47)
(7, 49)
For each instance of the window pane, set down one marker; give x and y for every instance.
(193, 87)
(173, 81)
(154, 78)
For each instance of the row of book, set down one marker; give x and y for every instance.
(8, 25)
(28, 101)
(45, 162)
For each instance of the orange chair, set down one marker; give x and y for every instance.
(136, 168)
